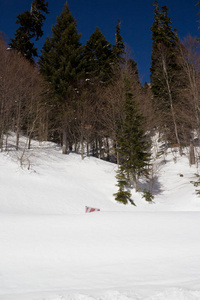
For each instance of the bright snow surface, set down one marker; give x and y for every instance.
(50, 249)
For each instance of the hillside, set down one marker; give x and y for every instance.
(51, 250)
(62, 184)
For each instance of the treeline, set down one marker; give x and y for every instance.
(89, 98)
(78, 90)
(174, 81)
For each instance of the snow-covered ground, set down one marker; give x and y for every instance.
(50, 249)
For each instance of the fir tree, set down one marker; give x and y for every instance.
(123, 195)
(198, 3)
(61, 65)
(131, 141)
(119, 47)
(60, 62)
(98, 57)
(165, 73)
(162, 35)
(31, 23)
(132, 66)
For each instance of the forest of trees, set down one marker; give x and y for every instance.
(89, 98)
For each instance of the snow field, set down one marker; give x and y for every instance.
(51, 250)
(99, 251)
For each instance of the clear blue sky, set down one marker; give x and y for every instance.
(136, 17)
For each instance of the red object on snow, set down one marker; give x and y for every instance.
(91, 209)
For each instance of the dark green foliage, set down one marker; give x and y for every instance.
(98, 57)
(198, 3)
(196, 183)
(119, 47)
(161, 29)
(167, 79)
(98, 62)
(61, 66)
(148, 196)
(31, 23)
(60, 62)
(131, 141)
(132, 66)
(123, 195)
(165, 42)
(37, 8)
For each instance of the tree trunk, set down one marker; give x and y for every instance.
(134, 180)
(101, 151)
(88, 149)
(29, 142)
(1, 142)
(82, 149)
(191, 154)
(107, 149)
(171, 105)
(17, 140)
(64, 142)
(6, 146)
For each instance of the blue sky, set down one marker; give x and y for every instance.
(136, 17)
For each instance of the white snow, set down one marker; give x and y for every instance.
(50, 249)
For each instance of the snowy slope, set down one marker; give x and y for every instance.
(57, 184)
(51, 250)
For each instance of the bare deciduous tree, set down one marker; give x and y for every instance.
(22, 97)
(190, 61)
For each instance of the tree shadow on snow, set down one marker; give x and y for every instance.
(153, 185)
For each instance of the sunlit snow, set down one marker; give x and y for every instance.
(50, 249)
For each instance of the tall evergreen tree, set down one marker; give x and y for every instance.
(132, 65)
(61, 65)
(162, 35)
(198, 3)
(131, 141)
(31, 23)
(165, 72)
(60, 62)
(98, 57)
(119, 47)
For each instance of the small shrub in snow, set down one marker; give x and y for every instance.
(196, 183)
(123, 195)
(148, 196)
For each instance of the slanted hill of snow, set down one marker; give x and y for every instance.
(56, 183)
(62, 184)
(51, 250)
